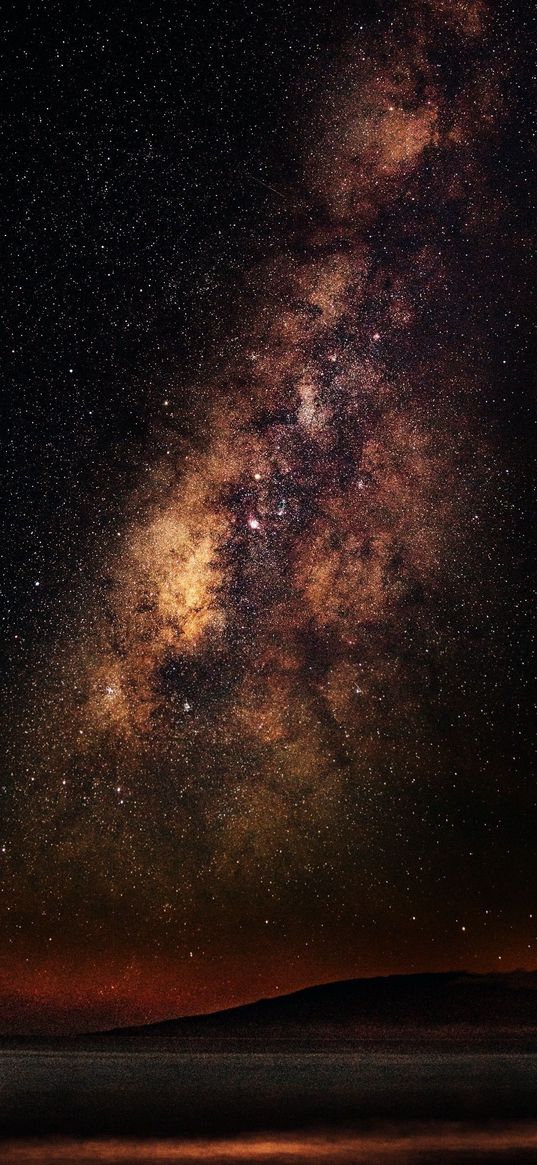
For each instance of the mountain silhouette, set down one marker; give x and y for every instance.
(450, 1005)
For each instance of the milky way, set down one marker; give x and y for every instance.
(273, 749)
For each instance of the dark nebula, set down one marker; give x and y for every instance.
(276, 731)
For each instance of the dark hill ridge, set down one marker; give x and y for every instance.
(450, 1005)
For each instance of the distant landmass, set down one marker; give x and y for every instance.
(442, 1006)
(373, 1055)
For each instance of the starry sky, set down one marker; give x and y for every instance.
(267, 545)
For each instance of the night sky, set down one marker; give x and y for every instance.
(269, 430)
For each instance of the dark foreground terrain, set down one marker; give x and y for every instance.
(424, 1068)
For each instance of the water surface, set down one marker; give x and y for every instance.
(450, 1143)
(372, 1103)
